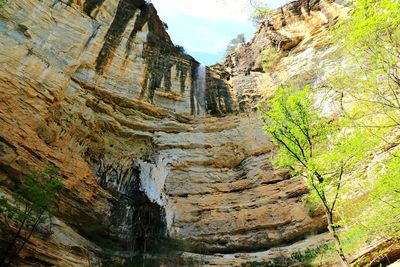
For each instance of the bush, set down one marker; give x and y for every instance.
(268, 58)
(180, 50)
(2, 3)
(165, 25)
(259, 14)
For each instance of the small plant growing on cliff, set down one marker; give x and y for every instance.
(2, 3)
(260, 13)
(302, 135)
(31, 206)
(165, 25)
(268, 58)
(180, 50)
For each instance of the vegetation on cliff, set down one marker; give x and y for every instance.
(101, 89)
(268, 58)
(30, 208)
(351, 157)
(296, 127)
(260, 13)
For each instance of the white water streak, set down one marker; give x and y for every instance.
(200, 93)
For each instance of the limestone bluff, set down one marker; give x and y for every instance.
(98, 89)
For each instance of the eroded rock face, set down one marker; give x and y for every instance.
(278, 255)
(298, 26)
(224, 192)
(98, 89)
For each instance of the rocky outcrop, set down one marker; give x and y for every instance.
(277, 256)
(98, 89)
(224, 192)
(77, 87)
(291, 30)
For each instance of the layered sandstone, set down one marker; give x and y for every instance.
(299, 32)
(98, 89)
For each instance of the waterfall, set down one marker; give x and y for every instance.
(200, 92)
(152, 182)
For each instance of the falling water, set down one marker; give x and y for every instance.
(200, 93)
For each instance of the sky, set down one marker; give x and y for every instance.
(205, 27)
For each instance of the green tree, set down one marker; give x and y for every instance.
(386, 194)
(301, 135)
(378, 214)
(370, 85)
(260, 12)
(371, 37)
(233, 44)
(31, 205)
(180, 49)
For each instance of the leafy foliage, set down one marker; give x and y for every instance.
(371, 36)
(234, 44)
(32, 204)
(370, 21)
(260, 13)
(180, 49)
(268, 58)
(293, 124)
(378, 214)
(258, 10)
(325, 150)
(353, 153)
(2, 3)
(302, 136)
(370, 85)
(165, 25)
(387, 191)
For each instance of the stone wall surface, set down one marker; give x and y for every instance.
(299, 32)
(98, 89)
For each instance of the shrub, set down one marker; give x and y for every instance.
(165, 25)
(260, 13)
(268, 58)
(2, 3)
(180, 50)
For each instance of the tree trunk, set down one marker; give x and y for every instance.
(336, 240)
(12, 257)
(10, 246)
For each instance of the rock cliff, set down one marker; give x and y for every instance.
(299, 32)
(98, 89)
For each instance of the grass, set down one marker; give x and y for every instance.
(269, 58)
